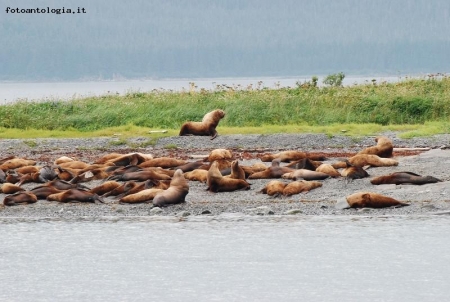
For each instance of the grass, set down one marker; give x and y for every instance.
(416, 107)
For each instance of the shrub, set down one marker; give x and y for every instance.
(334, 79)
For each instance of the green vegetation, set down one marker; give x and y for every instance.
(413, 105)
(334, 79)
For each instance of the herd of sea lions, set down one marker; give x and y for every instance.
(163, 181)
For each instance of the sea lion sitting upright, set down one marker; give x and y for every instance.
(383, 148)
(368, 200)
(404, 178)
(176, 193)
(206, 127)
(218, 183)
(236, 171)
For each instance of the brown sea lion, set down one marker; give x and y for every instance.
(218, 154)
(273, 188)
(95, 174)
(19, 198)
(404, 178)
(176, 193)
(207, 127)
(28, 169)
(105, 187)
(162, 162)
(63, 159)
(63, 185)
(300, 186)
(140, 176)
(9, 188)
(148, 184)
(217, 183)
(304, 163)
(75, 195)
(284, 156)
(128, 159)
(236, 171)
(42, 192)
(76, 164)
(274, 171)
(146, 195)
(383, 148)
(197, 175)
(191, 166)
(328, 169)
(368, 200)
(12, 176)
(222, 164)
(122, 189)
(305, 174)
(353, 171)
(15, 163)
(362, 160)
(31, 177)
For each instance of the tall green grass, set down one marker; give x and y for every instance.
(414, 101)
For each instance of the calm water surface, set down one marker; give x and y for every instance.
(226, 259)
(13, 91)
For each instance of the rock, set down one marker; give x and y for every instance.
(155, 211)
(293, 212)
(183, 214)
(263, 210)
(206, 212)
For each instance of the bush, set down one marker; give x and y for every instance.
(334, 79)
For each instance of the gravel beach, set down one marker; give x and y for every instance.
(424, 200)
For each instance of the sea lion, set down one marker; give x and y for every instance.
(256, 167)
(328, 169)
(162, 162)
(353, 171)
(304, 163)
(63, 159)
(273, 188)
(176, 193)
(197, 175)
(207, 127)
(94, 174)
(19, 198)
(284, 156)
(9, 188)
(236, 171)
(217, 183)
(15, 163)
(274, 171)
(368, 200)
(140, 176)
(218, 154)
(128, 159)
(28, 169)
(222, 164)
(42, 192)
(191, 166)
(105, 187)
(362, 160)
(63, 185)
(31, 177)
(146, 195)
(404, 178)
(300, 186)
(122, 189)
(383, 148)
(305, 174)
(148, 184)
(75, 195)
(76, 164)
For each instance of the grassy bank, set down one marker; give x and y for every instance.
(405, 106)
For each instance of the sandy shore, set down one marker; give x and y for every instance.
(425, 199)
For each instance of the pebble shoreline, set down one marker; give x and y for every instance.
(424, 200)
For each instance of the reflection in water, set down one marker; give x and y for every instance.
(225, 258)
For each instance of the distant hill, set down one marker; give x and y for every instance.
(208, 38)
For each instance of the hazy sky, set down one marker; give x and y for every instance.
(104, 39)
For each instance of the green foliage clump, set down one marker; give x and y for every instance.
(334, 79)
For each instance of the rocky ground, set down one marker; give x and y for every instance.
(425, 199)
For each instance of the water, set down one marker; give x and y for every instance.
(13, 91)
(226, 259)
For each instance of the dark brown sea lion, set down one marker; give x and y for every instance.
(191, 166)
(42, 192)
(31, 177)
(354, 171)
(217, 183)
(207, 127)
(128, 159)
(300, 186)
(140, 176)
(19, 198)
(383, 148)
(63, 185)
(122, 189)
(404, 178)
(274, 171)
(274, 188)
(305, 174)
(304, 163)
(176, 193)
(75, 195)
(368, 200)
